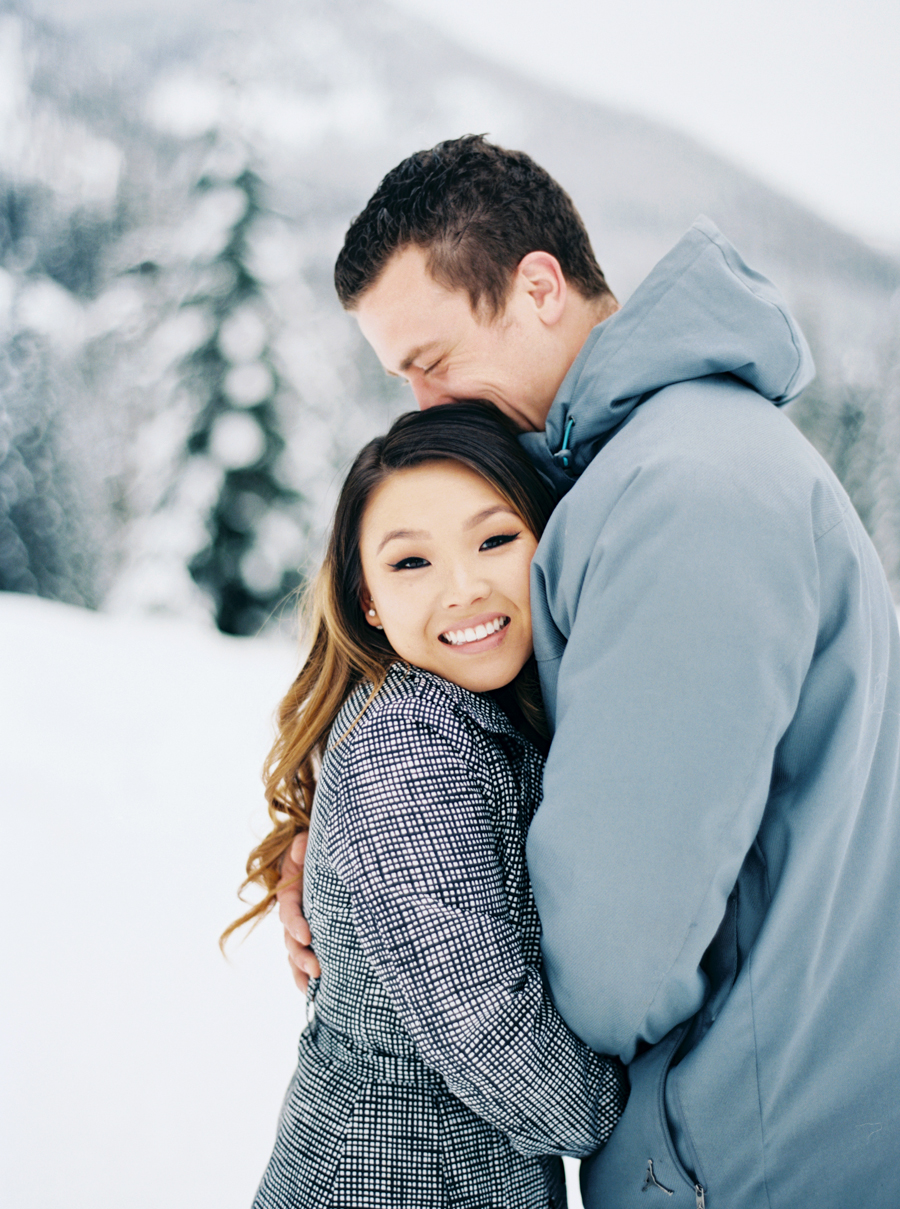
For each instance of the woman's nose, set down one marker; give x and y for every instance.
(465, 586)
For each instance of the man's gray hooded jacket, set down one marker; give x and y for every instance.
(716, 860)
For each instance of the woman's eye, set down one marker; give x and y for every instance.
(408, 564)
(429, 369)
(499, 539)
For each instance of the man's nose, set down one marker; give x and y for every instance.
(428, 394)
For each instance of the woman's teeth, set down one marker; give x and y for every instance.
(461, 637)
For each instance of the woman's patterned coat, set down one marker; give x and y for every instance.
(436, 1072)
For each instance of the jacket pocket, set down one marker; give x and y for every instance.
(640, 1167)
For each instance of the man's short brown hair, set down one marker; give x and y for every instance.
(477, 210)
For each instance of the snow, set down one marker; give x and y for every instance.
(243, 335)
(179, 334)
(207, 229)
(185, 105)
(37, 145)
(49, 308)
(247, 385)
(141, 1070)
(189, 104)
(7, 293)
(236, 440)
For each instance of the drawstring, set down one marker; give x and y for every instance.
(563, 451)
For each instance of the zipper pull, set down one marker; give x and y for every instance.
(701, 1196)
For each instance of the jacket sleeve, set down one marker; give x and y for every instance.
(684, 647)
(412, 838)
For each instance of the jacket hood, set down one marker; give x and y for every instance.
(701, 311)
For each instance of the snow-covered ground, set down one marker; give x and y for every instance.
(140, 1070)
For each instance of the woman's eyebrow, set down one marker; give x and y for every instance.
(418, 534)
(487, 512)
(424, 535)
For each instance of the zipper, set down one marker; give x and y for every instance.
(688, 1173)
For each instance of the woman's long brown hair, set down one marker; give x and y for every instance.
(346, 651)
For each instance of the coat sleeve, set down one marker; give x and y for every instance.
(687, 640)
(413, 841)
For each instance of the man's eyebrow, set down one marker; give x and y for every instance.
(487, 512)
(417, 534)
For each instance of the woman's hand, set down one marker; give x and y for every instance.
(297, 936)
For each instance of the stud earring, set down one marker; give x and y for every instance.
(377, 626)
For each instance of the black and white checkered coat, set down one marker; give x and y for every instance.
(436, 1072)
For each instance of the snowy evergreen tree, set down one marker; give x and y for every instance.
(47, 547)
(239, 426)
(51, 251)
(231, 512)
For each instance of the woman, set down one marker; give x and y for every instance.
(436, 1070)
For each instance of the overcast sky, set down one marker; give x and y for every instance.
(805, 94)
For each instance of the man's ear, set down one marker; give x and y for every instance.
(540, 276)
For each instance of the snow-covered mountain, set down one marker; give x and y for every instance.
(126, 142)
(332, 93)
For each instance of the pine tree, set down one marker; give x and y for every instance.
(854, 422)
(231, 512)
(51, 538)
(47, 547)
(239, 426)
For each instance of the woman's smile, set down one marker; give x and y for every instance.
(475, 633)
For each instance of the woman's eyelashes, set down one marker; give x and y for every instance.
(498, 539)
(412, 563)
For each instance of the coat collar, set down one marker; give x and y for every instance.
(403, 678)
(701, 311)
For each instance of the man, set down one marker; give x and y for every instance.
(716, 856)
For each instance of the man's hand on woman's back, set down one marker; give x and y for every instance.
(297, 936)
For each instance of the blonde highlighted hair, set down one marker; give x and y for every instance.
(345, 650)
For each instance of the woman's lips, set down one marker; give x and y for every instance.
(478, 636)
